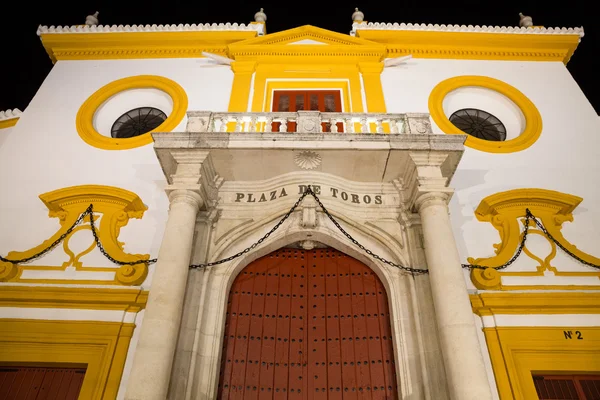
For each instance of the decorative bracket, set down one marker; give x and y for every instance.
(309, 213)
(504, 211)
(116, 207)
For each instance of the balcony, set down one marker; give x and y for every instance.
(360, 147)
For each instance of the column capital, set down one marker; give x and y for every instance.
(427, 175)
(191, 170)
(247, 67)
(186, 196)
(370, 67)
(428, 199)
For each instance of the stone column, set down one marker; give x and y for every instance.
(151, 370)
(465, 370)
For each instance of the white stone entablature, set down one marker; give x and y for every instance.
(374, 185)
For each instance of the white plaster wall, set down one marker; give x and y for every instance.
(44, 152)
(565, 158)
(4, 134)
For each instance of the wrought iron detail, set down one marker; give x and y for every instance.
(90, 211)
(137, 122)
(479, 123)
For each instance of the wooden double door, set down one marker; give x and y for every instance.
(307, 325)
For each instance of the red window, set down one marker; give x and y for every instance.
(567, 387)
(43, 383)
(311, 100)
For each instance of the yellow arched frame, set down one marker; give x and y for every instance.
(85, 116)
(533, 119)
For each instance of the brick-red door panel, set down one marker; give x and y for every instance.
(307, 325)
(43, 383)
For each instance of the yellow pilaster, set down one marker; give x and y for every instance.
(242, 80)
(371, 74)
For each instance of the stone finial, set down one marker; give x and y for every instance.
(260, 16)
(358, 16)
(525, 21)
(92, 20)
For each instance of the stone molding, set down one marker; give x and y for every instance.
(466, 28)
(186, 196)
(43, 29)
(10, 114)
(191, 171)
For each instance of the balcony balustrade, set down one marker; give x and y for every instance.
(309, 122)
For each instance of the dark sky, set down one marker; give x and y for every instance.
(25, 63)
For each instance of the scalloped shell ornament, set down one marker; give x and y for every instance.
(307, 159)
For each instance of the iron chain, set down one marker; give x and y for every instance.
(62, 237)
(363, 248)
(90, 211)
(528, 216)
(262, 239)
(589, 264)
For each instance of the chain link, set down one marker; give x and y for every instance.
(262, 239)
(589, 264)
(62, 237)
(101, 248)
(90, 211)
(528, 216)
(363, 248)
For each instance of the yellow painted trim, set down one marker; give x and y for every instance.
(375, 43)
(474, 45)
(517, 353)
(129, 300)
(98, 345)
(533, 118)
(7, 123)
(500, 373)
(135, 45)
(371, 74)
(116, 205)
(535, 303)
(85, 115)
(505, 211)
(240, 88)
(337, 48)
(277, 64)
(316, 76)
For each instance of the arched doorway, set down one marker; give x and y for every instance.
(307, 324)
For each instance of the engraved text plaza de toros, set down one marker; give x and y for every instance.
(261, 197)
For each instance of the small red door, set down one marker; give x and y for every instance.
(567, 387)
(313, 100)
(43, 383)
(307, 325)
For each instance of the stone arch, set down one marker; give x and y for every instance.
(314, 292)
(222, 276)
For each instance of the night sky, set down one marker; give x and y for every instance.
(25, 63)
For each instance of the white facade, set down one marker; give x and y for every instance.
(44, 152)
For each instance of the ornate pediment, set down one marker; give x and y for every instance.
(303, 44)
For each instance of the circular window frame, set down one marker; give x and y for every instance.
(85, 115)
(533, 118)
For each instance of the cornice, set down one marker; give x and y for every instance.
(42, 29)
(122, 44)
(475, 43)
(9, 117)
(538, 30)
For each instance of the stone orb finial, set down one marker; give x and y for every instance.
(358, 16)
(525, 20)
(260, 16)
(92, 20)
